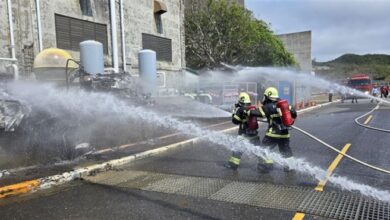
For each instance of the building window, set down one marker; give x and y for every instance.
(70, 32)
(162, 46)
(159, 26)
(85, 6)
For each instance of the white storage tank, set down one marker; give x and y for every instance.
(148, 70)
(91, 57)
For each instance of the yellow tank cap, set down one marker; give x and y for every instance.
(53, 58)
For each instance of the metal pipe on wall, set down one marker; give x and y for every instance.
(11, 30)
(123, 36)
(12, 41)
(37, 5)
(114, 36)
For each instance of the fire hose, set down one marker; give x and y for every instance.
(344, 154)
(367, 126)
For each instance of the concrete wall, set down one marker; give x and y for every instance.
(22, 24)
(138, 19)
(72, 9)
(299, 44)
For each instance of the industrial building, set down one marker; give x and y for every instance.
(123, 27)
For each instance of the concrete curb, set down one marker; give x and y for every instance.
(317, 106)
(47, 182)
(55, 180)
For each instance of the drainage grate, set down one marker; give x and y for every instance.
(262, 195)
(336, 205)
(249, 193)
(333, 205)
(203, 187)
(372, 209)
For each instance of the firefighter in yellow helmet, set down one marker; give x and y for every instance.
(277, 133)
(248, 126)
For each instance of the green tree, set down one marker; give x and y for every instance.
(220, 32)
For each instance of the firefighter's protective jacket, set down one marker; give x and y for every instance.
(276, 129)
(240, 118)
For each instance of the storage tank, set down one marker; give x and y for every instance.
(50, 64)
(91, 57)
(148, 70)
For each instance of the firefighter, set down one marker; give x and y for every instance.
(247, 127)
(374, 93)
(277, 134)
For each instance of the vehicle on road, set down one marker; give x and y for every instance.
(361, 82)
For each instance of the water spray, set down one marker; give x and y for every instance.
(90, 103)
(255, 73)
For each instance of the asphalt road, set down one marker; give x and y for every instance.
(86, 199)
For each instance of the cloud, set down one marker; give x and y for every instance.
(338, 26)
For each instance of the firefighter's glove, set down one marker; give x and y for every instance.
(294, 113)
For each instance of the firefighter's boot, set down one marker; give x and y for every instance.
(234, 160)
(287, 168)
(265, 165)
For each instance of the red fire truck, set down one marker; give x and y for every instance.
(361, 82)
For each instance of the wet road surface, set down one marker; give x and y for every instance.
(148, 189)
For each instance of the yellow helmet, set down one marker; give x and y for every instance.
(244, 98)
(272, 93)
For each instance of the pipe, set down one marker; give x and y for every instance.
(12, 43)
(37, 4)
(123, 36)
(11, 30)
(113, 36)
(8, 59)
(16, 71)
(180, 33)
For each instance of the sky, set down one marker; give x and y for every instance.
(338, 26)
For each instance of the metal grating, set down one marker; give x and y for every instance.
(143, 181)
(336, 205)
(170, 185)
(280, 197)
(262, 195)
(333, 205)
(236, 192)
(162, 46)
(372, 209)
(203, 187)
(71, 31)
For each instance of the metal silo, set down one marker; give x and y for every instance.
(91, 57)
(148, 70)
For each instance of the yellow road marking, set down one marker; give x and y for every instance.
(298, 216)
(321, 184)
(18, 188)
(368, 119)
(332, 167)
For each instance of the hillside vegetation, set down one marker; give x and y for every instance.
(376, 65)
